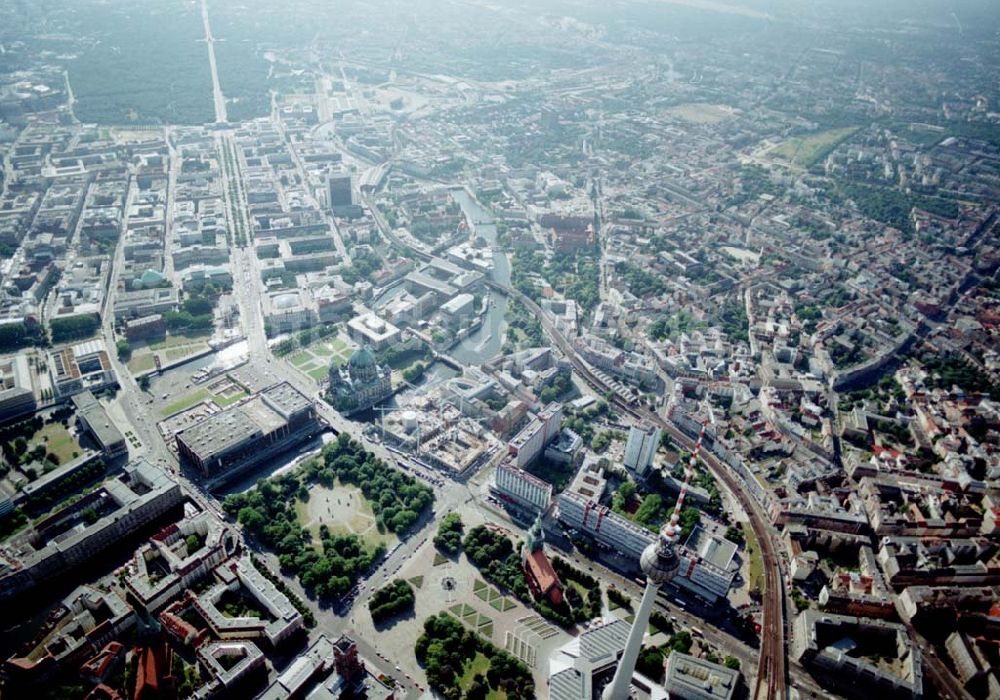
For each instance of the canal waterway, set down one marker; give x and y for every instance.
(484, 343)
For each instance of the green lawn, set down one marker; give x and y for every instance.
(356, 519)
(755, 577)
(198, 395)
(314, 361)
(806, 151)
(173, 348)
(179, 353)
(301, 359)
(417, 581)
(173, 341)
(701, 113)
(500, 603)
(223, 401)
(477, 664)
(186, 401)
(462, 610)
(58, 441)
(141, 362)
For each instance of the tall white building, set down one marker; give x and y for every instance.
(522, 488)
(532, 439)
(641, 448)
(604, 525)
(706, 566)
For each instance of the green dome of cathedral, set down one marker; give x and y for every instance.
(364, 358)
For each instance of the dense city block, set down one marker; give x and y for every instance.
(500, 350)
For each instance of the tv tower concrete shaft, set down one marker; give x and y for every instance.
(618, 689)
(660, 563)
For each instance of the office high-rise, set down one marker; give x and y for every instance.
(339, 192)
(641, 448)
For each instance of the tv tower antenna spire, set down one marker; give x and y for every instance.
(660, 563)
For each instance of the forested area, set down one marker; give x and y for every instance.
(950, 370)
(243, 77)
(732, 317)
(146, 65)
(197, 313)
(890, 205)
(74, 327)
(526, 323)
(562, 384)
(449, 535)
(362, 267)
(640, 282)
(14, 336)
(576, 276)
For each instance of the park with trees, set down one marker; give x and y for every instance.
(21, 334)
(268, 513)
(499, 562)
(461, 664)
(391, 600)
(397, 499)
(74, 327)
(449, 535)
(329, 570)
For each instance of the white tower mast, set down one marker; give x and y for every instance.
(660, 563)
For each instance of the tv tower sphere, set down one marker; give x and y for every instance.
(659, 561)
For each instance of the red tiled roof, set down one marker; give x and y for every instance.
(541, 569)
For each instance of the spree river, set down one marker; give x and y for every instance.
(485, 342)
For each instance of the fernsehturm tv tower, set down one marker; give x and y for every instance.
(660, 563)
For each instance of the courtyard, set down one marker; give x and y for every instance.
(222, 392)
